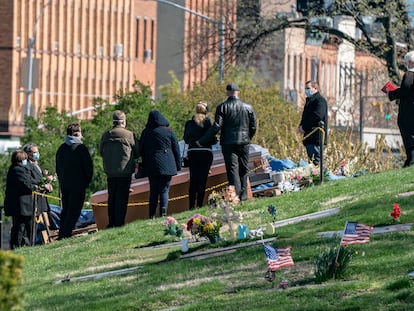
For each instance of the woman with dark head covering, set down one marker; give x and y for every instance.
(161, 160)
(200, 158)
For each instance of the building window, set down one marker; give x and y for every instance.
(137, 37)
(145, 34)
(152, 37)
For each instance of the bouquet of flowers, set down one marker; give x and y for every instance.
(202, 226)
(47, 179)
(172, 227)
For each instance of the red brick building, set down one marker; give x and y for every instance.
(89, 49)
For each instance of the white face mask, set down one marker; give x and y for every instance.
(24, 162)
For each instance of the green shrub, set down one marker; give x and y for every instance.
(10, 281)
(330, 263)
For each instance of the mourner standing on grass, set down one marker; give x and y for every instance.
(314, 112)
(236, 122)
(161, 160)
(18, 200)
(37, 173)
(405, 95)
(119, 149)
(75, 170)
(200, 159)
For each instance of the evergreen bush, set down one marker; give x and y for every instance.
(10, 281)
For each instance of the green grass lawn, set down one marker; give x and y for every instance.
(376, 278)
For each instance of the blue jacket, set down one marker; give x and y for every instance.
(159, 147)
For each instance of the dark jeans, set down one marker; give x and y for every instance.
(314, 153)
(72, 203)
(159, 189)
(118, 195)
(21, 231)
(200, 163)
(236, 158)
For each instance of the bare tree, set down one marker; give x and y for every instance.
(384, 26)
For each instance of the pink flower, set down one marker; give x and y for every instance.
(170, 221)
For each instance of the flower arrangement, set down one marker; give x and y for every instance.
(202, 226)
(396, 211)
(47, 179)
(172, 227)
(348, 168)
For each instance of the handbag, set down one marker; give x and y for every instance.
(185, 161)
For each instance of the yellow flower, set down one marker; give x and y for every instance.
(197, 221)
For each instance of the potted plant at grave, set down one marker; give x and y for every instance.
(173, 228)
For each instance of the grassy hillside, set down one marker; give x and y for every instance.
(376, 278)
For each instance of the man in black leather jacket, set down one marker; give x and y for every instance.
(236, 121)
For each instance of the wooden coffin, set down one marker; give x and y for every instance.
(178, 197)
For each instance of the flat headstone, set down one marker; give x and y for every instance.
(377, 230)
(98, 275)
(404, 194)
(224, 250)
(311, 216)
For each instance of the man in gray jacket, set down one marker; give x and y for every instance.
(119, 149)
(236, 122)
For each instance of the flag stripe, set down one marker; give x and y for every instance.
(278, 258)
(360, 235)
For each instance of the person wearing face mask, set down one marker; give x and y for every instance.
(18, 200)
(405, 96)
(33, 157)
(315, 111)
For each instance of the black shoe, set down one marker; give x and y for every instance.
(163, 211)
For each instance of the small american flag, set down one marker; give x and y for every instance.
(278, 258)
(356, 233)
